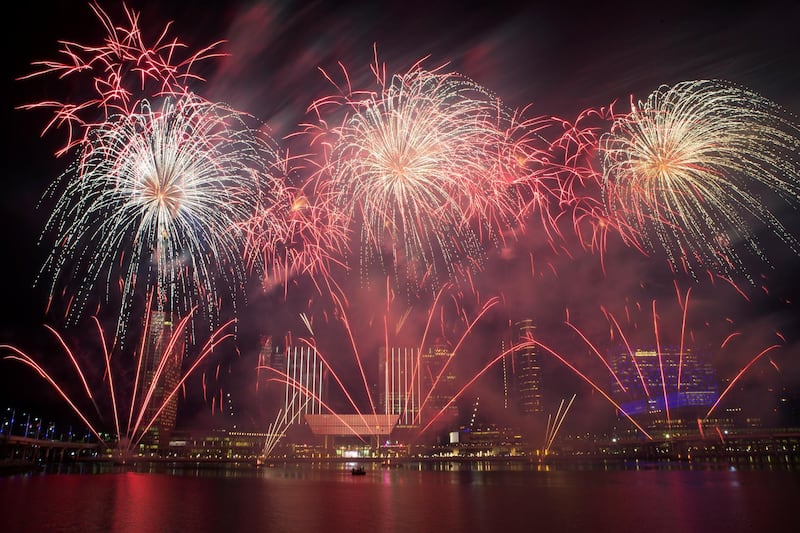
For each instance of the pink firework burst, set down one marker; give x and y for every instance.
(429, 166)
(122, 70)
(291, 232)
(574, 180)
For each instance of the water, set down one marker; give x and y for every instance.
(418, 498)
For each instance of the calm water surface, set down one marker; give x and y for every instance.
(414, 498)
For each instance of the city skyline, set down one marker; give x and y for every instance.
(565, 290)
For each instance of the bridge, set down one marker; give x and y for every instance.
(19, 448)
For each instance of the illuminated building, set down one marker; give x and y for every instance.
(666, 388)
(526, 370)
(505, 369)
(263, 374)
(304, 382)
(439, 383)
(270, 377)
(161, 367)
(353, 426)
(400, 384)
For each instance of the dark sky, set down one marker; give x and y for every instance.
(558, 57)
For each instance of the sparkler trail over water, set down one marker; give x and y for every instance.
(153, 204)
(698, 168)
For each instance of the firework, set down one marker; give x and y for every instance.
(699, 169)
(428, 166)
(554, 424)
(144, 400)
(291, 232)
(155, 199)
(123, 70)
(417, 381)
(574, 184)
(658, 367)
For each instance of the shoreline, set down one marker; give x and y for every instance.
(158, 465)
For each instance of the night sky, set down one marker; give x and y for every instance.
(558, 58)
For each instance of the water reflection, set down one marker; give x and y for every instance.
(319, 469)
(418, 496)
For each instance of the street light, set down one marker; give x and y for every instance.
(6, 422)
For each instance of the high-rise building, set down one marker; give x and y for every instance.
(268, 398)
(272, 361)
(305, 374)
(439, 383)
(664, 385)
(160, 374)
(526, 370)
(400, 384)
(264, 362)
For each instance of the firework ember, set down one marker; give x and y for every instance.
(430, 165)
(155, 199)
(697, 169)
(123, 70)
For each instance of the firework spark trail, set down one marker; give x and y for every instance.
(571, 185)
(630, 351)
(428, 163)
(668, 383)
(31, 362)
(162, 364)
(741, 372)
(463, 389)
(292, 233)
(423, 339)
(300, 388)
(340, 303)
(338, 380)
(596, 352)
(533, 343)
(470, 324)
(551, 433)
(107, 359)
(661, 363)
(700, 429)
(685, 306)
(139, 367)
(277, 429)
(214, 339)
(156, 197)
(697, 169)
(128, 440)
(435, 310)
(115, 69)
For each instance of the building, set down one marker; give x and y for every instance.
(270, 383)
(160, 369)
(439, 384)
(304, 377)
(400, 384)
(664, 388)
(367, 428)
(522, 373)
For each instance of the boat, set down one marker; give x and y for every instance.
(358, 471)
